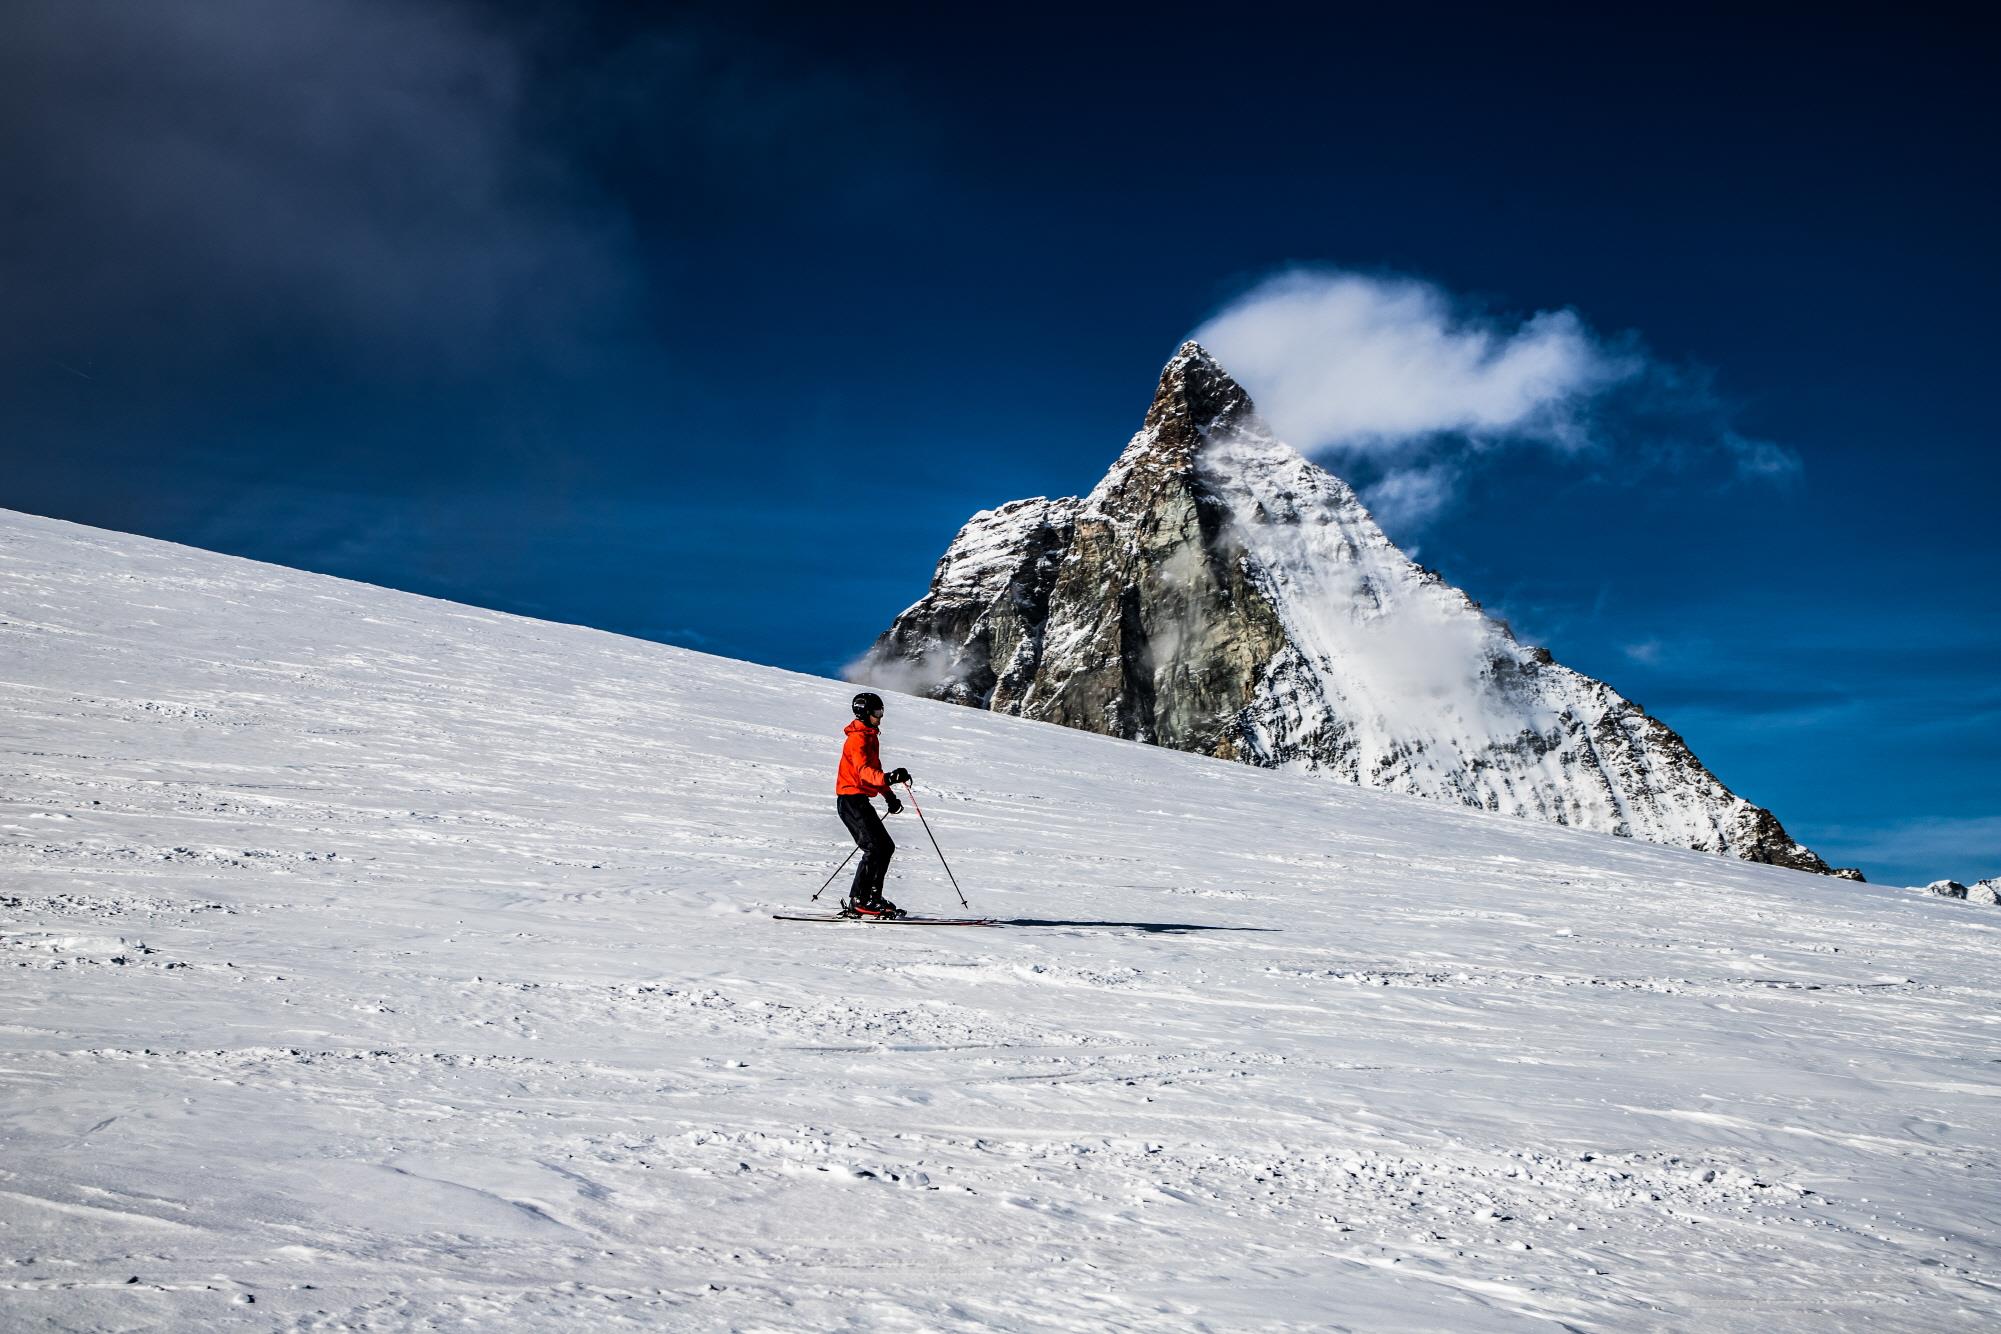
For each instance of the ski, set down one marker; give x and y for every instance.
(885, 921)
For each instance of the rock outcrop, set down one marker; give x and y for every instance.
(1217, 592)
(1986, 891)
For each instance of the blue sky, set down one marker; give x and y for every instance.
(712, 324)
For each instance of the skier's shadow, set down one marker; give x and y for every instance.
(1163, 928)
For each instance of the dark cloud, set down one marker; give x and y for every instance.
(183, 179)
(390, 246)
(707, 123)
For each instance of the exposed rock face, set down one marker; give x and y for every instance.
(1217, 592)
(1947, 889)
(1156, 630)
(1985, 891)
(976, 638)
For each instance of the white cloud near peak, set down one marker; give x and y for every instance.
(1411, 384)
(1367, 365)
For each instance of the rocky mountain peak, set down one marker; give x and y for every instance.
(1218, 592)
(1196, 398)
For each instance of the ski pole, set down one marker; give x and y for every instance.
(935, 848)
(837, 870)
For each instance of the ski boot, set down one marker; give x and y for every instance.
(877, 907)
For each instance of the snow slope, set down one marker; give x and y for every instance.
(380, 962)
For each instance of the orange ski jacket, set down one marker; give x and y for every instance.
(861, 772)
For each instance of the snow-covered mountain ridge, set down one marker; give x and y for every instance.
(1218, 592)
(376, 962)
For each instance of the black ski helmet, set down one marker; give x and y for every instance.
(866, 703)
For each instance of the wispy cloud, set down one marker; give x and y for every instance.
(1646, 651)
(1408, 498)
(1762, 458)
(1410, 382)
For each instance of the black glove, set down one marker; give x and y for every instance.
(895, 806)
(896, 776)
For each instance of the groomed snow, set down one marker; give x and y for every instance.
(376, 962)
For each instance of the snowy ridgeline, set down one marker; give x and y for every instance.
(381, 962)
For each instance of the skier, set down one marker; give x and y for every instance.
(861, 777)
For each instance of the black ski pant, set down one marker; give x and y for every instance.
(858, 814)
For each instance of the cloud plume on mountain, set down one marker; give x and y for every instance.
(1366, 364)
(1407, 384)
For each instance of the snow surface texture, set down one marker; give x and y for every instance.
(375, 962)
(1373, 671)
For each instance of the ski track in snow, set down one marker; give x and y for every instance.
(375, 962)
